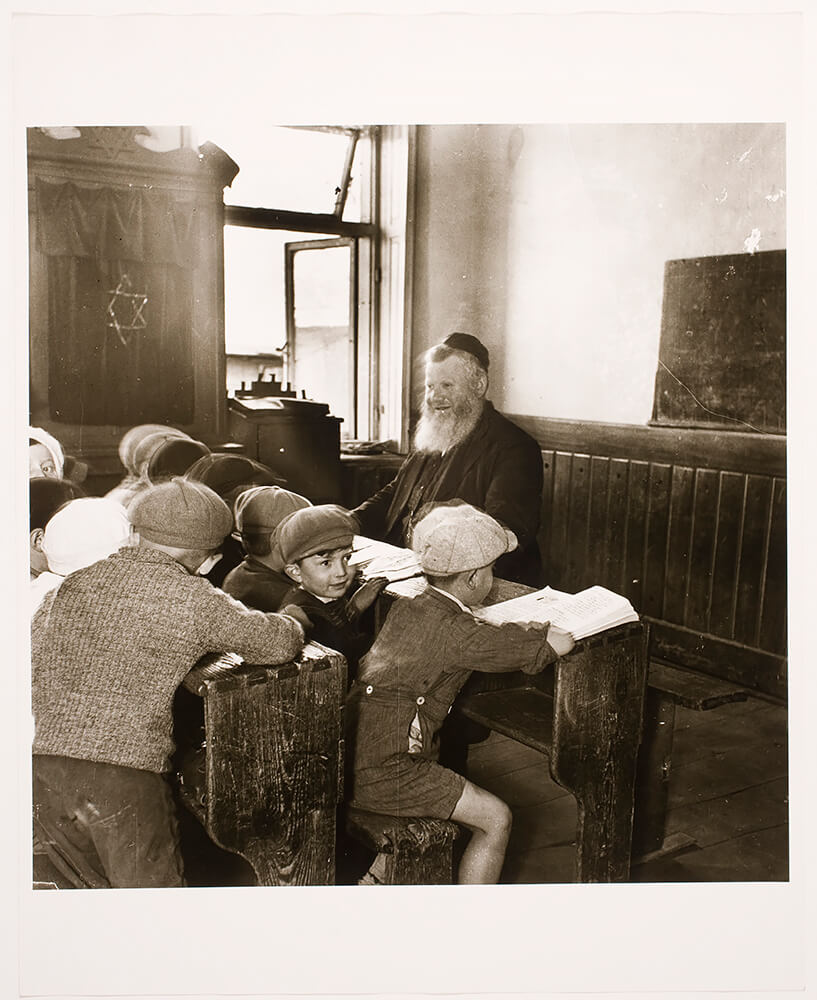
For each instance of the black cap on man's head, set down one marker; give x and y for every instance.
(465, 342)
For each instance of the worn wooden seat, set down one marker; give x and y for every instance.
(419, 851)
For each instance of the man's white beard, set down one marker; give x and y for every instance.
(439, 430)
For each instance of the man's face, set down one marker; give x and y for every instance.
(452, 405)
(448, 388)
(325, 574)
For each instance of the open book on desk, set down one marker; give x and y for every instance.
(374, 559)
(586, 613)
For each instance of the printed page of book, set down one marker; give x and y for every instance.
(375, 559)
(583, 614)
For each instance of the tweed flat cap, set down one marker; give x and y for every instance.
(262, 508)
(314, 529)
(181, 513)
(454, 538)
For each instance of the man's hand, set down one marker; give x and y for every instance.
(561, 642)
(365, 596)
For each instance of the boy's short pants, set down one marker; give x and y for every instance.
(408, 785)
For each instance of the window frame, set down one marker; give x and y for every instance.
(290, 348)
(365, 252)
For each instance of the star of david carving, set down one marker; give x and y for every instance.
(126, 310)
(111, 141)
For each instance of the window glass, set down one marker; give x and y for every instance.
(297, 169)
(321, 359)
(254, 301)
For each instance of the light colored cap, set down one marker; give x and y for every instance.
(84, 531)
(132, 438)
(153, 448)
(52, 445)
(455, 538)
(262, 508)
(181, 513)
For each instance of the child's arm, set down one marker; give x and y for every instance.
(364, 597)
(475, 645)
(257, 636)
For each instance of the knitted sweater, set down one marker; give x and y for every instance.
(112, 644)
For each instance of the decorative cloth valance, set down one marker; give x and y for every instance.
(139, 224)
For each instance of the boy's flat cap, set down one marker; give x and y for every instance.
(314, 529)
(262, 508)
(458, 537)
(181, 513)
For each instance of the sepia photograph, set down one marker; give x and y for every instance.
(408, 450)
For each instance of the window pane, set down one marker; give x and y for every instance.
(322, 355)
(254, 301)
(279, 167)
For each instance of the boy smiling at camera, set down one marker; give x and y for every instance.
(315, 545)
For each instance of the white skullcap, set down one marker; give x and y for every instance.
(84, 531)
(52, 445)
(455, 538)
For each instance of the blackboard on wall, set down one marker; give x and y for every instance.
(722, 354)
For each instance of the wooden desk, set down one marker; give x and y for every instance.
(586, 715)
(267, 780)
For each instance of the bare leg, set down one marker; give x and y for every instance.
(489, 819)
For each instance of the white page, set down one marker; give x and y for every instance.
(580, 614)
(375, 558)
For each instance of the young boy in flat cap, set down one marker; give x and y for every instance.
(314, 546)
(108, 650)
(259, 581)
(423, 655)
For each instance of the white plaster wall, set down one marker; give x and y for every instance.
(549, 243)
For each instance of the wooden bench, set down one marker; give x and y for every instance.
(418, 850)
(261, 760)
(585, 716)
(668, 686)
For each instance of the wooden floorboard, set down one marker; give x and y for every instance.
(745, 811)
(733, 729)
(725, 774)
(755, 857)
(728, 792)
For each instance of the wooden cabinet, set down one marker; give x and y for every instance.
(126, 256)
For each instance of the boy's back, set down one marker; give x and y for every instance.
(110, 647)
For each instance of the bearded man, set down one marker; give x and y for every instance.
(464, 449)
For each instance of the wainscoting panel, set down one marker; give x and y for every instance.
(699, 550)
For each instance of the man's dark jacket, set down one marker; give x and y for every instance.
(498, 468)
